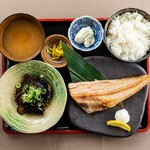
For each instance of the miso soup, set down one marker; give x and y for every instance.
(22, 38)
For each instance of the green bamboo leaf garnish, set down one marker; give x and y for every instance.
(79, 68)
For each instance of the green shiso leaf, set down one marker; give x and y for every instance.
(79, 68)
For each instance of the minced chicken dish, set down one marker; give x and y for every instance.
(128, 36)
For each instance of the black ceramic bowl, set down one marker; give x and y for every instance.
(120, 12)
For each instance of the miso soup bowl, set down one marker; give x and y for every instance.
(7, 52)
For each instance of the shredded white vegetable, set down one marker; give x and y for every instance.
(122, 115)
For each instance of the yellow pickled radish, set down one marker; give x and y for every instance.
(56, 51)
(120, 124)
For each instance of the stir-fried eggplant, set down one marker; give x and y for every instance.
(32, 95)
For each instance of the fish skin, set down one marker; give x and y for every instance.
(100, 95)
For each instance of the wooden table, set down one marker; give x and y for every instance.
(67, 9)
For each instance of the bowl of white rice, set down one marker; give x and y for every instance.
(127, 35)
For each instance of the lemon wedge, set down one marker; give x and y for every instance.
(120, 124)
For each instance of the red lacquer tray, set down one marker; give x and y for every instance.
(60, 26)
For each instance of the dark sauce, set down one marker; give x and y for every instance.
(33, 95)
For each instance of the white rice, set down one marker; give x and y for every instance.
(128, 36)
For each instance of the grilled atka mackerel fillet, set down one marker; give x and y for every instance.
(100, 95)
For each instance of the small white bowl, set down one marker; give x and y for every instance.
(81, 22)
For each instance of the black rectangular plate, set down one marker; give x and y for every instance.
(61, 27)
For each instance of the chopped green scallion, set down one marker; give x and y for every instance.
(43, 91)
(18, 85)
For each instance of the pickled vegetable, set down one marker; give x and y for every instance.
(56, 51)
